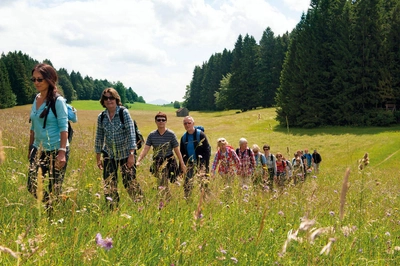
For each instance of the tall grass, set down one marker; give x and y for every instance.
(243, 226)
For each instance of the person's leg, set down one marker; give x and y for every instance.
(57, 175)
(37, 160)
(189, 180)
(110, 177)
(130, 182)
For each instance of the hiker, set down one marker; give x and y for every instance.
(271, 165)
(226, 160)
(164, 166)
(195, 151)
(261, 166)
(316, 160)
(115, 145)
(247, 162)
(298, 172)
(48, 140)
(281, 169)
(307, 161)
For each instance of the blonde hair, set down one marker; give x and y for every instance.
(255, 148)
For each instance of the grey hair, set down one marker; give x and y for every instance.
(242, 140)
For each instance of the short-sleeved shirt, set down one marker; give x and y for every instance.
(164, 144)
(49, 137)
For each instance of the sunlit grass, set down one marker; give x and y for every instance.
(246, 226)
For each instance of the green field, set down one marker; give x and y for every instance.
(237, 226)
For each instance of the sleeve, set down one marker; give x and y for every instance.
(99, 140)
(215, 163)
(182, 148)
(62, 114)
(131, 130)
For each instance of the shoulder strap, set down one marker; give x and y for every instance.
(198, 136)
(249, 152)
(121, 114)
(237, 151)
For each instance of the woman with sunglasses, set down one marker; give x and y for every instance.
(116, 141)
(48, 141)
(164, 143)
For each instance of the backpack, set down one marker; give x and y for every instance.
(72, 116)
(248, 151)
(139, 136)
(197, 129)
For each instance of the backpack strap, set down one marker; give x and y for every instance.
(120, 114)
(52, 105)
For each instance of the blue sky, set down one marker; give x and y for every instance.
(149, 45)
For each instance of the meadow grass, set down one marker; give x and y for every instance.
(243, 226)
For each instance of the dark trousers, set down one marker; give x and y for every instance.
(193, 170)
(110, 177)
(165, 170)
(45, 161)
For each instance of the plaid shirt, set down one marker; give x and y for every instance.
(113, 137)
(228, 162)
(248, 162)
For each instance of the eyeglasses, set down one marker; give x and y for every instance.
(106, 98)
(266, 149)
(36, 79)
(161, 120)
(187, 123)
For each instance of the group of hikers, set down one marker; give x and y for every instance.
(116, 145)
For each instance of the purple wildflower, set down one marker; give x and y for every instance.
(161, 205)
(106, 243)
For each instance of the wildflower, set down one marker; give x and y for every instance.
(109, 199)
(245, 187)
(161, 205)
(331, 213)
(397, 248)
(281, 213)
(314, 176)
(223, 251)
(387, 234)
(106, 243)
(234, 260)
(97, 195)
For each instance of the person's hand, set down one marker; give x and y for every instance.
(60, 160)
(100, 164)
(131, 161)
(183, 168)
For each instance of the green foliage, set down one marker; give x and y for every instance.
(18, 69)
(177, 105)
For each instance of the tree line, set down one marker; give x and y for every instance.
(339, 66)
(16, 87)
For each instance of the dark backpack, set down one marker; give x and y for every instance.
(248, 151)
(139, 136)
(52, 106)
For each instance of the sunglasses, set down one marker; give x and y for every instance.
(36, 79)
(266, 149)
(161, 120)
(187, 123)
(111, 98)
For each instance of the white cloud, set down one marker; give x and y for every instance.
(151, 46)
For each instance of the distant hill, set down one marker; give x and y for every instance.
(159, 102)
